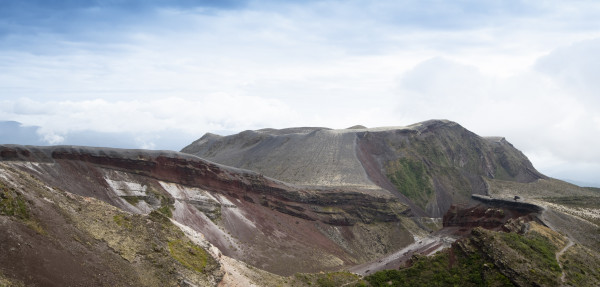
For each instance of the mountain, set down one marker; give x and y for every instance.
(88, 216)
(428, 165)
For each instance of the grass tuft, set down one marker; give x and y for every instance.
(189, 255)
(411, 178)
(13, 204)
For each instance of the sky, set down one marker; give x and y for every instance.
(158, 74)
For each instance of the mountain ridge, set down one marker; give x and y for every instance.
(450, 158)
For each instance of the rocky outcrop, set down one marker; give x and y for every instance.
(490, 213)
(516, 204)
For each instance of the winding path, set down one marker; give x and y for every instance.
(560, 253)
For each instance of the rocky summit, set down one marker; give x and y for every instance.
(430, 204)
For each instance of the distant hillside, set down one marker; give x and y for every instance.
(428, 165)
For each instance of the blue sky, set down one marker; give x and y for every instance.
(158, 74)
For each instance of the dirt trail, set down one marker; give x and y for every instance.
(353, 282)
(560, 253)
(424, 246)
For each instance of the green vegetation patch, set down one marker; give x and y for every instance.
(122, 221)
(188, 254)
(447, 268)
(133, 200)
(165, 210)
(487, 258)
(581, 266)
(159, 217)
(432, 149)
(166, 203)
(330, 279)
(6, 282)
(12, 203)
(535, 248)
(335, 279)
(411, 178)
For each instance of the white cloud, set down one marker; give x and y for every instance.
(214, 112)
(576, 67)
(145, 143)
(50, 137)
(552, 121)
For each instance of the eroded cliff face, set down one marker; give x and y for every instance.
(428, 165)
(269, 224)
(491, 214)
(51, 237)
